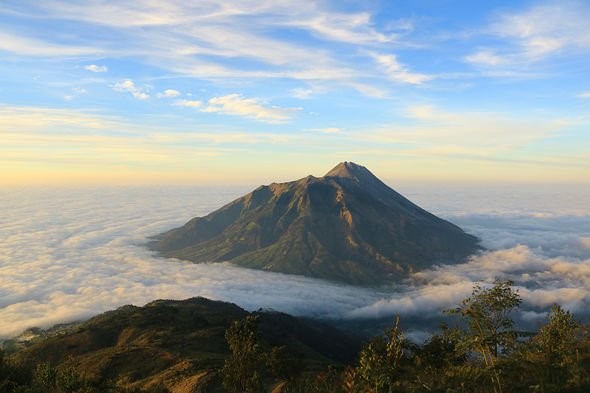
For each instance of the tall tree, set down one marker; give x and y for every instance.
(380, 360)
(557, 344)
(490, 329)
(243, 370)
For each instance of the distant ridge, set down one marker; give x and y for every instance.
(347, 226)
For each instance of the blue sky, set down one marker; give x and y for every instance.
(250, 92)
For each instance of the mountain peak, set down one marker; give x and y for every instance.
(350, 170)
(347, 226)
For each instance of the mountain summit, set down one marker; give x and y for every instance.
(347, 226)
(351, 170)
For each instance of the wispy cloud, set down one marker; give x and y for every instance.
(130, 87)
(168, 93)
(77, 91)
(26, 46)
(486, 57)
(27, 118)
(301, 93)
(585, 94)
(328, 130)
(398, 72)
(212, 41)
(188, 103)
(93, 142)
(542, 30)
(96, 68)
(235, 104)
(475, 133)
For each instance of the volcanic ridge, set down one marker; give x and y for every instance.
(346, 226)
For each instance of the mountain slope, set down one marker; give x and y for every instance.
(180, 344)
(346, 226)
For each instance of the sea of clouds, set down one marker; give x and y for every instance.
(69, 253)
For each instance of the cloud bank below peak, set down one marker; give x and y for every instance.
(89, 258)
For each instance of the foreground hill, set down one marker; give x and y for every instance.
(179, 345)
(346, 226)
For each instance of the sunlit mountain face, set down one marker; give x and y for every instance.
(346, 226)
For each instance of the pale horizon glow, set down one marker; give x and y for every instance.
(243, 93)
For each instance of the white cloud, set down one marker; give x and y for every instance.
(543, 30)
(197, 39)
(585, 94)
(130, 87)
(550, 267)
(234, 104)
(96, 68)
(349, 28)
(188, 103)
(168, 93)
(398, 72)
(302, 94)
(33, 47)
(329, 130)
(90, 259)
(40, 119)
(486, 57)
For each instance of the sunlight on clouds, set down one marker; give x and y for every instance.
(434, 128)
(23, 118)
(329, 130)
(188, 103)
(43, 145)
(234, 104)
(168, 93)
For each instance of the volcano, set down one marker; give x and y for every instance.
(346, 226)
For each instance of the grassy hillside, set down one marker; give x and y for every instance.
(178, 344)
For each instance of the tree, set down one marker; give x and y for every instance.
(556, 344)
(380, 360)
(243, 370)
(490, 330)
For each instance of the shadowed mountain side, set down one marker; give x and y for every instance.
(347, 226)
(180, 344)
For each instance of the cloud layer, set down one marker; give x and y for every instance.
(67, 254)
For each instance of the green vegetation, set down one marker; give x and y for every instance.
(270, 352)
(485, 353)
